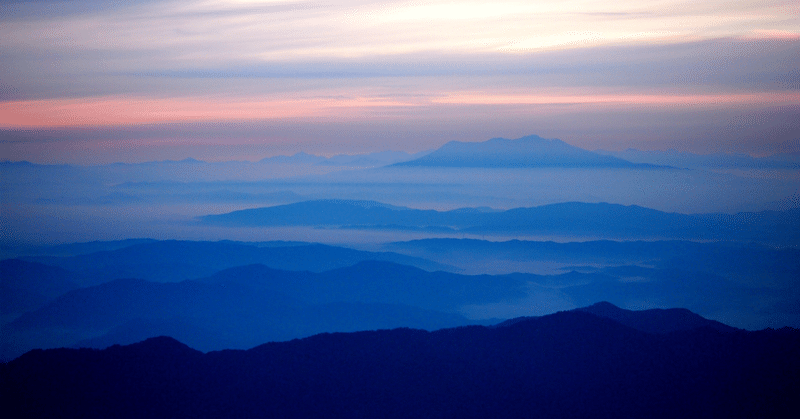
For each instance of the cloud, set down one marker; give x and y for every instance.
(723, 65)
(115, 63)
(76, 49)
(209, 33)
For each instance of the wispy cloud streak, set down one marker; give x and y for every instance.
(105, 63)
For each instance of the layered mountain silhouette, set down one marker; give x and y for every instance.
(568, 219)
(530, 151)
(566, 365)
(342, 212)
(178, 260)
(242, 306)
(756, 265)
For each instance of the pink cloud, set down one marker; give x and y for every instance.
(109, 111)
(121, 111)
(640, 99)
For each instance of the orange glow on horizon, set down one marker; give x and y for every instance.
(478, 98)
(133, 111)
(111, 111)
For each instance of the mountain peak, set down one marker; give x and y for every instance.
(163, 345)
(602, 306)
(528, 151)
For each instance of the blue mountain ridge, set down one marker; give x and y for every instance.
(570, 219)
(247, 304)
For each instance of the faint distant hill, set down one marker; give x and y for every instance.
(530, 151)
(675, 158)
(298, 158)
(748, 263)
(566, 365)
(93, 183)
(339, 212)
(377, 159)
(568, 219)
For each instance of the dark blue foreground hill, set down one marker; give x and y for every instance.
(566, 365)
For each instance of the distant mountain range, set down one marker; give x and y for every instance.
(566, 365)
(558, 172)
(530, 151)
(377, 159)
(571, 219)
(674, 158)
(745, 263)
(192, 170)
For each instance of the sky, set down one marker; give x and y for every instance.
(95, 82)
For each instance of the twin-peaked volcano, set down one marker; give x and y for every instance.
(530, 151)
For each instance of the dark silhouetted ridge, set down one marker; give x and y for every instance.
(655, 320)
(566, 365)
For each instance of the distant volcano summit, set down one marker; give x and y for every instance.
(530, 151)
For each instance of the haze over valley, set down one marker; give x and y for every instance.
(165, 199)
(735, 266)
(250, 208)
